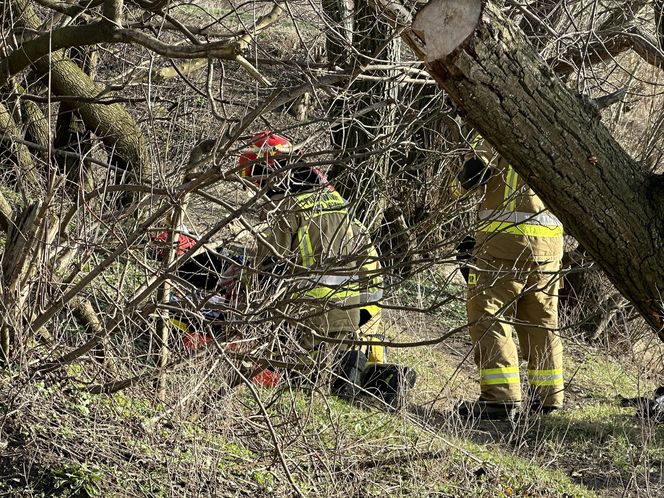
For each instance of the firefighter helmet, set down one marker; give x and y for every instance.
(264, 153)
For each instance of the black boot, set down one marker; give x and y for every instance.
(487, 410)
(348, 380)
(652, 409)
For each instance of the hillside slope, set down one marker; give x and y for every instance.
(59, 441)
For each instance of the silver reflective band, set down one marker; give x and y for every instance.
(517, 217)
(372, 297)
(334, 280)
(540, 377)
(507, 375)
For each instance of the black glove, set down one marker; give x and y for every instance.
(464, 253)
(473, 173)
(465, 247)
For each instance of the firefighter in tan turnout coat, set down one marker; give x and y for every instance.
(306, 252)
(513, 286)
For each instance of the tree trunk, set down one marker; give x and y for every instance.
(36, 124)
(112, 123)
(369, 113)
(339, 35)
(605, 199)
(18, 246)
(19, 154)
(72, 135)
(658, 7)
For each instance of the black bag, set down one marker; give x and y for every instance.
(389, 383)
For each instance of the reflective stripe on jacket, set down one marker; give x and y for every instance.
(312, 231)
(513, 222)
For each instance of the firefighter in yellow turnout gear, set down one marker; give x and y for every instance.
(513, 286)
(306, 252)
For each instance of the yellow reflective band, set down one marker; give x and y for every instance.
(372, 309)
(510, 188)
(179, 324)
(521, 229)
(455, 190)
(376, 353)
(472, 279)
(503, 375)
(477, 139)
(325, 200)
(555, 371)
(306, 250)
(327, 292)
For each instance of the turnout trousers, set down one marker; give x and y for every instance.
(506, 297)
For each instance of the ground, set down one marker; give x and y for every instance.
(62, 442)
(56, 439)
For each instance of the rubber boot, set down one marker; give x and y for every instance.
(390, 383)
(484, 410)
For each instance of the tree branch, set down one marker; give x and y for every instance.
(609, 45)
(102, 32)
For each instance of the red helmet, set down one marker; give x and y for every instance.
(260, 156)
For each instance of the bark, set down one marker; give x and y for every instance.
(366, 110)
(18, 153)
(6, 213)
(85, 315)
(340, 32)
(18, 246)
(112, 123)
(605, 199)
(72, 135)
(36, 124)
(658, 7)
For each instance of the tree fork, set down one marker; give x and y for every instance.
(605, 199)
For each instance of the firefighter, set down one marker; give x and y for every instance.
(513, 286)
(307, 246)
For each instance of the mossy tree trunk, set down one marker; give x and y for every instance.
(118, 130)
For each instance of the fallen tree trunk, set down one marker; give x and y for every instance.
(556, 141)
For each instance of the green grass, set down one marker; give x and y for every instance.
(334, 448)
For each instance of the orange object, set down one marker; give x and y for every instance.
(266, 378)
(185, 242)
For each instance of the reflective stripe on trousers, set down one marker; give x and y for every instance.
(552, 377)
(501, 375)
